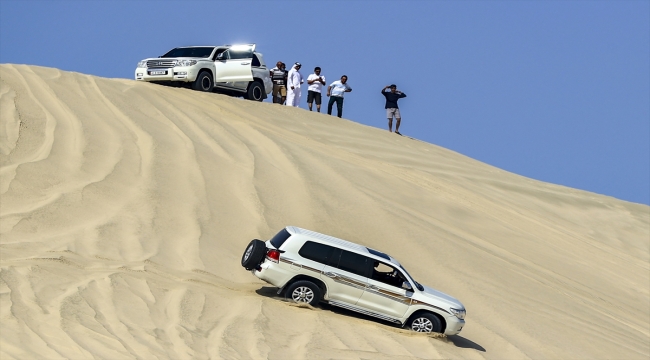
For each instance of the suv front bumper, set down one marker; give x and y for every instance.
(179, 73)
(454, 325)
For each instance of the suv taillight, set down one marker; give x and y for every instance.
(273, 255)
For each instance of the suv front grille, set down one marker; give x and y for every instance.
(161, 64)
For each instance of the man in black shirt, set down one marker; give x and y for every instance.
(392, 110)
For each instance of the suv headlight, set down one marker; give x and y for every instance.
(185, 62)
(142, 64)
(460, 313)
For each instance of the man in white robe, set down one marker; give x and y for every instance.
(294, 79)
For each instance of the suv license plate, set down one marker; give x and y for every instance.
(158, 72)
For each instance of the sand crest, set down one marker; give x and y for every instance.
(125, 208)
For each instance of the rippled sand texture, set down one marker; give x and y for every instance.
(125, 208)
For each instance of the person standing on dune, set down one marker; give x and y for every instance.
(294, 79)
(335, 91)
(316, 82)
(392, 110)
(279, 77)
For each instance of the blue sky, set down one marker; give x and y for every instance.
(558, 91)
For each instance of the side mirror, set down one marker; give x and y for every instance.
(407, 286)
(219, 57)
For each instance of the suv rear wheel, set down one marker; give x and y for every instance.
(254, 254)
(255, 91)
(203, 82)
(426, 323)
(304, 292)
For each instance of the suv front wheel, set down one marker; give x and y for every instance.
(304, 292)
(203, 82)
(426, 323)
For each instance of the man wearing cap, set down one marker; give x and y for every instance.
(391, 106)
(294, 79)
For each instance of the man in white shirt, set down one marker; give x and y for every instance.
(335, 91)
(294, 80)
(316, 82)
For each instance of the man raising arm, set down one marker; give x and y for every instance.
(392, 110)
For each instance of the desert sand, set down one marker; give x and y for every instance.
(125, 208)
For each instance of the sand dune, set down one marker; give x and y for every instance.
(125, 208)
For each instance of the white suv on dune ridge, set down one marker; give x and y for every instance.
(231, 69)
(310, 267)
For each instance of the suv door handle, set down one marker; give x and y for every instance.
(373, 287)
(330, 274)
(245, 63)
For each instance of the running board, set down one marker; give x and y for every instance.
(362, 311)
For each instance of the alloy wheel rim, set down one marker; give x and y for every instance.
(422, 325)
(205, 83)
(248, 252)
(302, 294)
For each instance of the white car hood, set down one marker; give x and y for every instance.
(440, 297)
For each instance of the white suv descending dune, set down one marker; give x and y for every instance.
(310, 267)
(231, 69)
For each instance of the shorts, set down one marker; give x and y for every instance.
(313, 95)
(390, 112)
(279, 89)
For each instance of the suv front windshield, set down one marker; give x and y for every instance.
(420, 287)
(197, 52)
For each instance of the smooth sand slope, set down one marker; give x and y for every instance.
(125, 208)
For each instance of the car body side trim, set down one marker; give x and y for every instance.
(390, 295)
(341, 279)
(419, 302)
(363, 311)
(293, 262)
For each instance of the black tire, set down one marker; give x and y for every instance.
(255, 91)
(303, 292)
(254, 254)
(203, 82)
(425, 322)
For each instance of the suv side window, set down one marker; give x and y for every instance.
(256, 61)
(317, 252)
(336, 257)
(387, 274)
(240, 54)
(221, 51)
(354, 263)
(280, 238)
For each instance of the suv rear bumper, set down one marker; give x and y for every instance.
(273, 273)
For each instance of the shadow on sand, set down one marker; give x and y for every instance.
(459, 341)
(270, 292)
